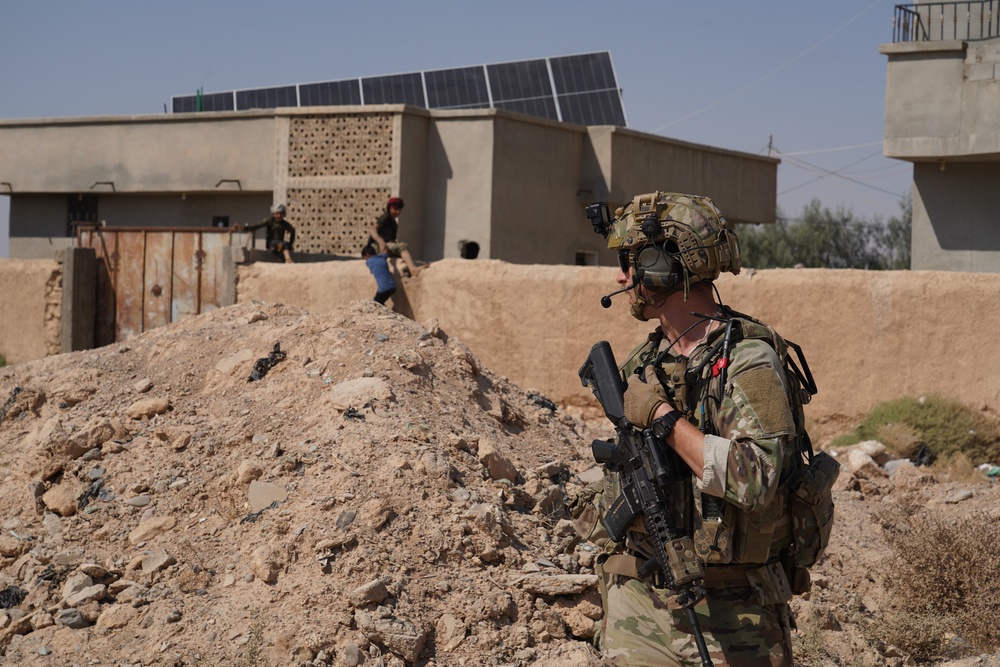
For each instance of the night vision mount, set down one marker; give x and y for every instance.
(600, 217)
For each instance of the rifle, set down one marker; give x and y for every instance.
(646, 469)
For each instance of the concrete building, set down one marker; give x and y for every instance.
(942, 113)
(513, 184)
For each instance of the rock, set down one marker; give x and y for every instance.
(591, 475)
(236, 360)
(497, 465)
(139, 501)
(61, 498)
(580, 615)
(874, 449)
(355, 393)
(156, 561)
(89, 594)
(147, 407)
(11, 547)
(262, 494)
(150, 528)
(41, 619)
(862, 465)
(116, 616)
(376, 513)
(958, 496)
(95, 433)
(75, 583)
(486, 517)
(558, 584)
(142, 386)
(449, 632)
(398, 635)
(266, 563)
(94, 571)
(247, 472)
(551, 502)
(71, 618)
(352, 654)
(373, 592)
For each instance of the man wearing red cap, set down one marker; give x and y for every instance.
(383, 235)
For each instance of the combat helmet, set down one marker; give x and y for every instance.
(673, 240)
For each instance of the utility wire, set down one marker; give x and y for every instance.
(772, 72)
(834, 150)
(802, 164)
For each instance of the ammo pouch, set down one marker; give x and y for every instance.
(811, 508)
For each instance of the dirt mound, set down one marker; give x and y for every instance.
(377, 497)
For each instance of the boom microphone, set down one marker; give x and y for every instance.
(606, 299)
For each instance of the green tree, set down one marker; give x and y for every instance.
(821, 238)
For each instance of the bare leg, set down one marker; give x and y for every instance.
(288, 256)
(408, 260)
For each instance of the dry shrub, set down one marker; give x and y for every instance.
(942, 577)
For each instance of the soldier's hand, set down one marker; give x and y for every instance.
(642, 400)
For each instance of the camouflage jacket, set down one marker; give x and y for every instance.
(740, 513)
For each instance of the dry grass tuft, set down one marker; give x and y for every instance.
(943, 583)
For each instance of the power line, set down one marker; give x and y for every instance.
(772, 72)
(826, 172)
(834, 150)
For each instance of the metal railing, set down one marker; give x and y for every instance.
(939, 21)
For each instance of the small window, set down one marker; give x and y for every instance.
(586, 258)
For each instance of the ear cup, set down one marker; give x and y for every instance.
(657, 269)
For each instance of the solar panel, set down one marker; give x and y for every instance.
(330, 93)
(267, 98)
(545, 107)
(463, 88)
(581, 89)
(519, 81)
(209, 102)
(586, 73)
(395, 89)
(600, 108)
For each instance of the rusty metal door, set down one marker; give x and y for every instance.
(150, 277)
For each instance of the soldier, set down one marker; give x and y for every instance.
(711, 384)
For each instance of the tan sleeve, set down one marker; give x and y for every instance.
(716, 453)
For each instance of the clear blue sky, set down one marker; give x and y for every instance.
(726, 73)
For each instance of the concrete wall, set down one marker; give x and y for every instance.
(458, 185)
(942, 112)
(743, 185)
(868, 336)
(175, 153)
(956, 216)
(537, 216)
(30, 300)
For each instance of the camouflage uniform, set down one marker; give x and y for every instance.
(740, 519)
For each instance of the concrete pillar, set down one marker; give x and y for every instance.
(79, 299)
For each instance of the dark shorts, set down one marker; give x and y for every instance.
(382, 297)
(278, 247)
